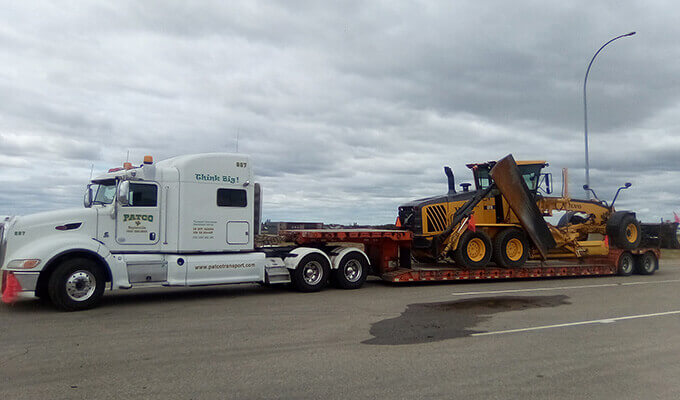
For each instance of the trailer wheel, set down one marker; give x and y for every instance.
(627, 234)
(510, 248)
(76, 284)
(626, 264)
(646, 264)
(474, 249)
(352, 271)
(312, 274)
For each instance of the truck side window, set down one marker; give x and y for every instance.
(231, 198)
(143, 195)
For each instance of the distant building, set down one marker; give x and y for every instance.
(273, 227)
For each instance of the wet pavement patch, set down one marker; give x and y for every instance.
(432, 322)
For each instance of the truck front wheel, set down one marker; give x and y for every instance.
(312, 274)
(76, 284)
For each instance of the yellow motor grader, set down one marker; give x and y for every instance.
(502, 220)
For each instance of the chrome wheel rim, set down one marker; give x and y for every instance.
(312, 273)
(80, 285)
(352, 270)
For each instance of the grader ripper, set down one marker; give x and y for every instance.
(502, 220)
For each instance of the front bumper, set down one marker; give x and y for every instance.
(27, 280)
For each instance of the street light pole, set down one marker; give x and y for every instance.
(585, 106)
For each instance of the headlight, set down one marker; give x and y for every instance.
(23, 264)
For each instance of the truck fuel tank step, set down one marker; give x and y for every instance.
(276, 271)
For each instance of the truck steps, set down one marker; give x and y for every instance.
(277, 274)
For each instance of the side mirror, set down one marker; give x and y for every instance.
(625, 186)
(123, 193)
(87, 200)
(585, 187)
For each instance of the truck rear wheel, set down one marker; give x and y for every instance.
(76, 284)
(627, 234)
(352, 271)
(646, 264)
(474, 250)
(312, 274)
(626, 264)
(510, 248)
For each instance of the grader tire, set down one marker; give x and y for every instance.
(474, 250)
(510, 248)
(627, 234)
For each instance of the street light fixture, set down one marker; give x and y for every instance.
(585, 106)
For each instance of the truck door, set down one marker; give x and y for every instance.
(138, 222)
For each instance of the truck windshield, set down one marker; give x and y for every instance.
(104, 192)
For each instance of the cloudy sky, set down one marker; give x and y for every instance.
(347, 108)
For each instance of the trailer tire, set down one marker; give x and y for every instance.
(510, 248)
(626, 264)
(352, 271)
(646, 264)
(311, 274)
(627, 233)
(474, 250)
(76, 284)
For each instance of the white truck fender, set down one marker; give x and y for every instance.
(50, 248)
(339, 252)
(296, 255)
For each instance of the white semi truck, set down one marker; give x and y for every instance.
(185, 221)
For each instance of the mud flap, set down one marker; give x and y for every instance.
(509, 181)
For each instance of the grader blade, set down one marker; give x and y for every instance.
(509, 181)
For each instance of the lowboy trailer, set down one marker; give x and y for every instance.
(389, 252)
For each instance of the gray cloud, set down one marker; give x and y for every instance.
(347, 109)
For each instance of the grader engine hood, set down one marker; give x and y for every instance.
(509, 181)
(410, 213)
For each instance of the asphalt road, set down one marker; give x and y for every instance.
(557, 339)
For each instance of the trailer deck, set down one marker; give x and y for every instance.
(389, 252)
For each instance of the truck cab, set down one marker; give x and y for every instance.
(185, 221)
